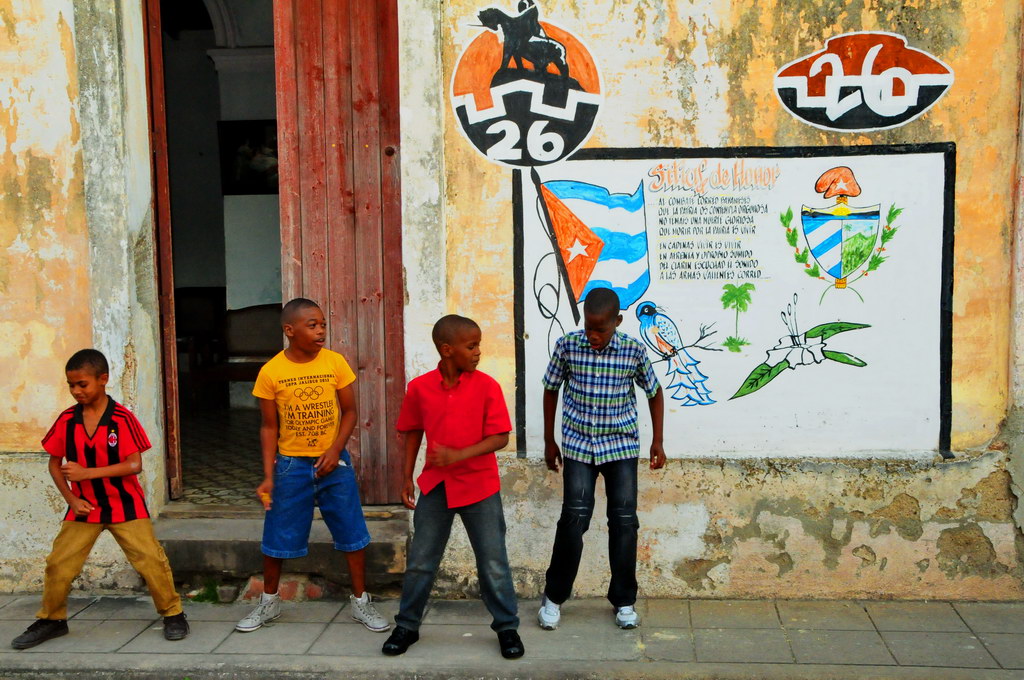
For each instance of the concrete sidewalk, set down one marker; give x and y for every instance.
(728, 639)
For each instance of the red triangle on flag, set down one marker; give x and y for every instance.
(580, 247)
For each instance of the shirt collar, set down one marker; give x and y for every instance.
(613, 344)
(78, 415)
(462, 378)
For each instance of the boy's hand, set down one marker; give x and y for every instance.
(327, 463)
(264, 492)
(552, 455)
(442, 455)
(73, 472)
(80, 507)
(657, 456)
(409, 494)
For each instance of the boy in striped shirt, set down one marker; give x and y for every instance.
(102, 444)
(599, 367)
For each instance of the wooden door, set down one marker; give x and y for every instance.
(338, 137)
(164, 249)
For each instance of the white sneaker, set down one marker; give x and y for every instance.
(549, 615)
(626, 617)
(266, 611)
(365, 613)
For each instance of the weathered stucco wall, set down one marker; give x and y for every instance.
(700, 75)
(76, 264)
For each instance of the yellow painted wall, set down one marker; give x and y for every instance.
(44, 247)
(700, 74)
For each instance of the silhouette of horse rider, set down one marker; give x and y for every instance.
(524, 38)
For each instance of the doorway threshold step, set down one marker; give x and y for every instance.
(231, 547)
(185, 510)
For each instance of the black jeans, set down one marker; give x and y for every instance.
(485, 525)
(579, 480)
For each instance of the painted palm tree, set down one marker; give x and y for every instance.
(738, 298)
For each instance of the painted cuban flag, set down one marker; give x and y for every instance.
(602, 237)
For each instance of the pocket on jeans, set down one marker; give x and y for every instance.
(282, 464)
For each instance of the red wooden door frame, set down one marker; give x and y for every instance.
(162, 232)
(338, 141)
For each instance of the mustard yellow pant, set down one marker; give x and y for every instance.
(137, 540)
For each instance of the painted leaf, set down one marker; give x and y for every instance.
(759, 377)
(802, 257)
(791, 237)
(876, 262)
(844, 358)
(827, 330)
(786, 218)
(894, 212)
(888, 234)
(736, 297)
(813, 272)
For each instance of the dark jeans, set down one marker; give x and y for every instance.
(485, 525)
(579, 480)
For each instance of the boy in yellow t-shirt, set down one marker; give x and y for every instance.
(308, 409)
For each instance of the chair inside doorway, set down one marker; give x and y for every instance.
(222, 351)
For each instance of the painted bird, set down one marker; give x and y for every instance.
(659, 332)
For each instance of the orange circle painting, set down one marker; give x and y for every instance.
(525, 91)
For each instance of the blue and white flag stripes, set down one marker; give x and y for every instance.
(618, 222)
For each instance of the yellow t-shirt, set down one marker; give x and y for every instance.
(307, 403)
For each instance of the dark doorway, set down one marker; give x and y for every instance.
(220, 246)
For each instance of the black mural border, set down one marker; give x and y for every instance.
(947, 149)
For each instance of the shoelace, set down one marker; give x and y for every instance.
(262, 608)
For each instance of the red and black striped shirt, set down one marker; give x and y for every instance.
(118, 435)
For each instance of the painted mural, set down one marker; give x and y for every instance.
(526, 92)
(869, 80)
(830, 341)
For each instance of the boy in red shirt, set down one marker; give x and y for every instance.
(102, 442)
(463, 413)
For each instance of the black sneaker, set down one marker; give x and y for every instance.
(511, 644)
(399, 641)
(175, 627)
(39, 632)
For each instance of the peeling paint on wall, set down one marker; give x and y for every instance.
(43, 240)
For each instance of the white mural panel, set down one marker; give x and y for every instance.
(794, 301)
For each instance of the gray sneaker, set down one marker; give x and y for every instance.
(365, 613)
(265, 612)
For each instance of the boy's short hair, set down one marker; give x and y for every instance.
(603, 301)
(448, 327)
(293, 307)
(88, 358)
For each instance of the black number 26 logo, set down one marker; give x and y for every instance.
(525, 91)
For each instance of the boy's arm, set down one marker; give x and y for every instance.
(268, 449)
(79, 506)
(411, 440)
(74, 472)
(657, 406)
(442, 455)
(327, 462)
(552, 454)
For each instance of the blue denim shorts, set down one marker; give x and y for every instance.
(296, 490)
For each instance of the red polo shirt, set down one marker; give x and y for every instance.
(460, 416)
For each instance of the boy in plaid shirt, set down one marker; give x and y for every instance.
(599, 367)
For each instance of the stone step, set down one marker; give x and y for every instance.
(230, 547)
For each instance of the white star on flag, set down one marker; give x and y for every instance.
(577, 250)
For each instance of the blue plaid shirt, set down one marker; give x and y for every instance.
(599, 421)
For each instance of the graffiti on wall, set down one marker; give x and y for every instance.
(689, 239)
(525, 91)
(862, 81)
